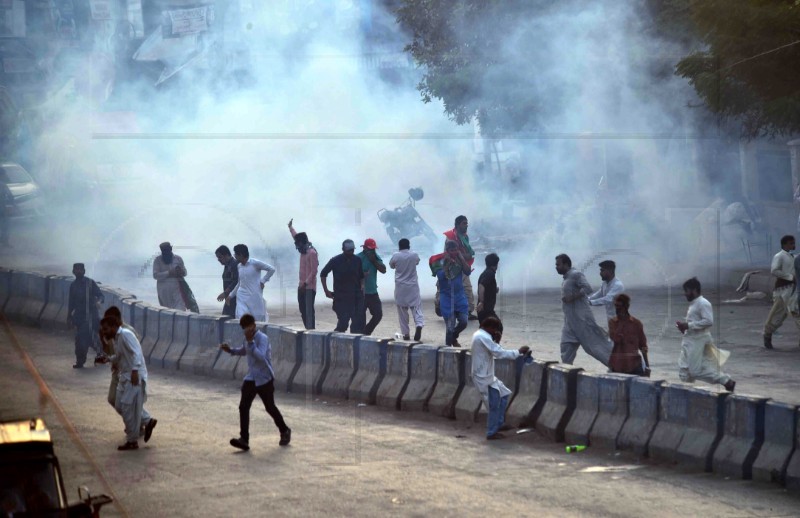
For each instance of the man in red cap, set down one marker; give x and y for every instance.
(372, 264)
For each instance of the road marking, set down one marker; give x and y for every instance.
(46, 393)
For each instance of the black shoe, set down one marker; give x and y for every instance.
(506, 427)
(472, 317)
(730, 385)
(238, 443)
(495, 436)
(286, 437)
(129, 446)
(455, 343)
(148, 430)
(101, 359)
(77, 366)
(768, 341)
(406, 338)
(418, 334)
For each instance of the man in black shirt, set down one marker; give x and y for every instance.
(82, 314)
(230, 278)
(348, 288)
(487, 289)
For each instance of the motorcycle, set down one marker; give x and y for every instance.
(405, 222)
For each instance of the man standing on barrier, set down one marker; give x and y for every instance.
(230, 278)
(83, 314)
(449, 268)
(372, 264)
(485, 350)
(700, 359)
(132, 389)
(610, 288)
(170, 275)
(487, 288)
(406, 289)
(348, 288)
(259, 381)
(785, 294)
(249, 291)
(629, 339)
(307, 285)
(580, 327)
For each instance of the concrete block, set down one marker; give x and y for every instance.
(562, 388)
(793, 469)
(343, 364)
(613, 397)
(139, 317)
(371, 370)
(28, 297)
(422, 377)
(673, 415)
(643, 413)
(586, 407)
(152, 334)
(180, 339)
(5, 286)
(780, 428)
(704, 420)
(742, 437)
(531, 395)
(202, 345)
(286, 354)
(394, 382)
(312, 370)
(225, 366)
(508, 372)
(57, 303)
(450, 378)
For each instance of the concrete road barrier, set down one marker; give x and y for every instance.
(126, 309)
(793, 469)
(613, 401)
(57, 303)
(153, 331)
(180, 339)
(780, 428)
(397, 372)
(371, 370)
(643, 413)
(314, 365)
(139, 317)
(562, 381)
(470, 400)
(586, 407)
(743, 435)
(507, 371)
(225, 366)
(673, 414)
(422, 377)
(202, 345)
(704, 421)
(113, 297)
(28, 297)
(287, 353)
(531, 395)
(450, 378)
(343, 364)
(5, 286)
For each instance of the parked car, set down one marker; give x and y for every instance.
(30, 477)
(28, 200)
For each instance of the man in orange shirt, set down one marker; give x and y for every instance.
(627, 333)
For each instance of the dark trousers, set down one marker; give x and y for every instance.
(267, 394)
(349, 312)
(305, 299)
(84, 339)
(455, 324)
(372, 302)
(4, 224)
(229, 310)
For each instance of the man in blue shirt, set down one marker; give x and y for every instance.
(260, 380)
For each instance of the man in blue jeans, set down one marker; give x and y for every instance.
(259, 381)
(485, 349)
(450, 269)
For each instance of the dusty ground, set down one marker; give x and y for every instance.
(344, 460)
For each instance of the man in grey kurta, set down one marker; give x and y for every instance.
(580, 327)
(132, 389)
(168, 270)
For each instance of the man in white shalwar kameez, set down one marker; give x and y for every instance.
(700, 359)
(406, 289)
(610, 288)
(580, 327)
(784, 295)
(485, 349)
(168, 269)
(132, 389)
(249, 291)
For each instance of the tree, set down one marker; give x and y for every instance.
(463, 47)
(748, 71)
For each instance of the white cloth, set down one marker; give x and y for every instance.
(484, 351)
(783, 266)
(699, 358)
(580, 327)
(248, 291)
(406, 283)
(167, 282)
(605, 296)
(402, 315)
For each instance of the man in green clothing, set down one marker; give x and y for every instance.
(372, 264)
(459, 234)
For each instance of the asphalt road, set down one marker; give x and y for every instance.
(343, 460)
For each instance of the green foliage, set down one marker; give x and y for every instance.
(748, 70)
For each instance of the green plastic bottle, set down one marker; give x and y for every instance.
(575, 447)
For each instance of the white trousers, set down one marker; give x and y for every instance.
(701, 360)
(402, 314)
(130, 405)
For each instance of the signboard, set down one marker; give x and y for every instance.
(101, 9)
(12, 19)
(179, 22)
